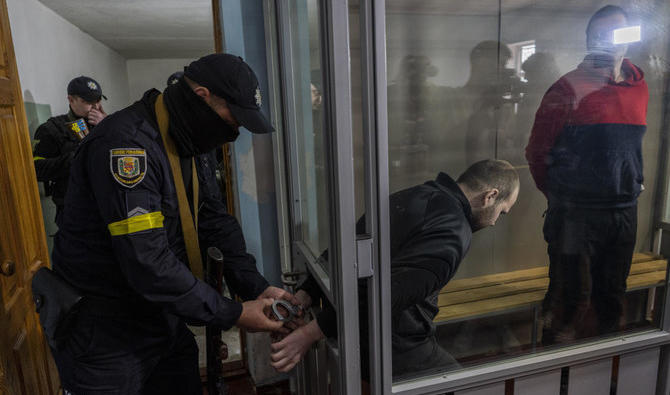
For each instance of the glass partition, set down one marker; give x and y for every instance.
(473, 81)
(308, 133)
(316, 82)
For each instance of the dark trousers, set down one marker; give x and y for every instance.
(590, 253)
(128, 356)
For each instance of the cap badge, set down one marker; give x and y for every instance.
(92, 85)
(259, 98)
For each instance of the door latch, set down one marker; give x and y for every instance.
(364, 257)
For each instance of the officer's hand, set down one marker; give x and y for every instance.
(278, 293)
(96, 115)
(290, 350)
(255, 316)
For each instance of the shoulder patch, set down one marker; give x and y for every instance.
(128, 165)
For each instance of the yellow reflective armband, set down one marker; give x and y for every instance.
(137, 223)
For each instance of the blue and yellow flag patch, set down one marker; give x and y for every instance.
(79, 128)
(128, 165)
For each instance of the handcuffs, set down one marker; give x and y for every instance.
(292, 310)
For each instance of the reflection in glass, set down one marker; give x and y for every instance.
(309, 134)
(470, 82)
(414, 117)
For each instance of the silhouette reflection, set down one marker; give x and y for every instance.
(414, 120)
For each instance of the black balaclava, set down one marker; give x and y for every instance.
(195, 127)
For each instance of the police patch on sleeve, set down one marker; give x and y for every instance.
(128, 165)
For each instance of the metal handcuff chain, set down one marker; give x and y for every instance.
(293, 310)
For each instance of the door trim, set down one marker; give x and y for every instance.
(499, 371)
(343, 239)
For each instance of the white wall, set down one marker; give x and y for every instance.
(50, 51)
(144, 74)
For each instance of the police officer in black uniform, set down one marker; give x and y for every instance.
(59, 136)
(122, 240)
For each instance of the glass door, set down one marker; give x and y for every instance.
(315, 75)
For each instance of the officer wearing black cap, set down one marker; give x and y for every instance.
(125, 242)
(174, 77)
(58, 137)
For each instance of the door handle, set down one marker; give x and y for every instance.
(7, 268)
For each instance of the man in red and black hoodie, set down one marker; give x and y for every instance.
(585, 155)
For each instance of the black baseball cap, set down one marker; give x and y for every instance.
(85, 87)
(230, 78)
(174, 77)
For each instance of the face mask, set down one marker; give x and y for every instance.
(601, 47)
(209, 132)
(195, 127)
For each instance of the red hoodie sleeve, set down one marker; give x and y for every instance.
(550, 119)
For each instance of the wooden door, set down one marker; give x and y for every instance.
(26, 366)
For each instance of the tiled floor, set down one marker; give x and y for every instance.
(239, 385)
(245, 386)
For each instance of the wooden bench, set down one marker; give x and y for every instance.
(493, 294)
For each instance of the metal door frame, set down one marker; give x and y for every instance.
(341, 287)
(343, 241)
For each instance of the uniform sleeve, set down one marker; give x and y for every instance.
(550, 119)
(217, 228)
(131, 206)
(50, 163)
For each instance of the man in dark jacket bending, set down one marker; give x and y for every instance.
(431, 230)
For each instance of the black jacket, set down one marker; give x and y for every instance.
(121, 240)
(430, 234)
(54, 148)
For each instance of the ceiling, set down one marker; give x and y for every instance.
(144, 28)
(487, 7)
(184, 28)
